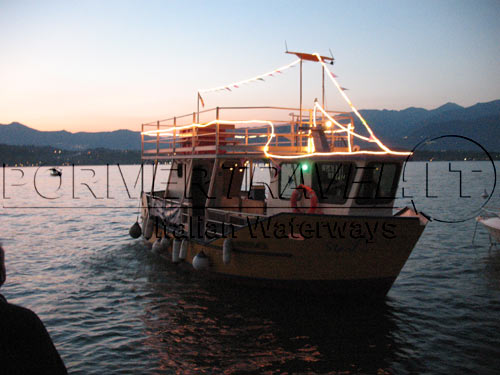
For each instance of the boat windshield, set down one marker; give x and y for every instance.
(290, 176)
(332, 181)
(379, 183)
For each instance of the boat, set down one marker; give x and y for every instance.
(323, 221)
(491, 221)
(55, 172)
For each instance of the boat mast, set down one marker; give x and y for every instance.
(310, 57)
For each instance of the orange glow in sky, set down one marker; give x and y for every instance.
(100, 66)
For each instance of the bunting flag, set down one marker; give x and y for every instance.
(237, 85)
(342, 128)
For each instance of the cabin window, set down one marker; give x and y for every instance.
(332, 181)
(379, 183)
(290, 177)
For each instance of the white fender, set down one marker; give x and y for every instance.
(165, 244)
(148, 227)
(184, 249)
(200, 262)
(157, 246)
(227, 249)
(176, 248)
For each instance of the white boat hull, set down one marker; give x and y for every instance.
(493, 226)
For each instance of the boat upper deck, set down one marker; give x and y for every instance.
(214, 133)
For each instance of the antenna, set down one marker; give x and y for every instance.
(331, 54)
(286, 47)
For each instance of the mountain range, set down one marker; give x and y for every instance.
(22, 135)
(406, 128)
(401, 129)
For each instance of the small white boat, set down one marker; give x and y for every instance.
(55, 172)
(493, 226)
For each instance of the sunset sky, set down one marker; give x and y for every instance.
(107, 65)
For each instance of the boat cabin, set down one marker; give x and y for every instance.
(238, 172)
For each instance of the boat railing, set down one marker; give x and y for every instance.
(221, 222)
(187, 135)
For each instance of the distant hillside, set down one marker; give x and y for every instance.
(399, 129)
(484, 130)
(18, 134)
(408, 127)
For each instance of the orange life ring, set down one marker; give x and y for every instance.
(298, 192)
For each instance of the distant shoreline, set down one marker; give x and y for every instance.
(27, 156)
(453, 156)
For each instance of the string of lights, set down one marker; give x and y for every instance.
(253, 79)
(346, 98)
(310, 144)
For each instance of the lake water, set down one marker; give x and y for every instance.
(112, 307)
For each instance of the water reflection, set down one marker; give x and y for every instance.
(492, 267)
(201, 326)
(113, 308)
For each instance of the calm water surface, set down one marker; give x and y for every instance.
(112, 307)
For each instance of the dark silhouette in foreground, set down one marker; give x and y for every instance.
(25, 344)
